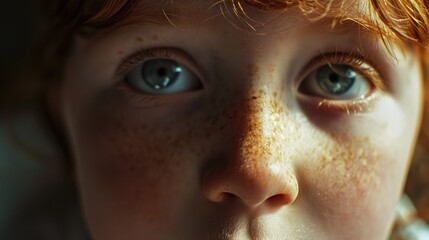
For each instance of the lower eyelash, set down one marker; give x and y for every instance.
(140, 100)
(353, 107)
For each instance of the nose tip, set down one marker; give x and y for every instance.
(256, 171)
(271, 186)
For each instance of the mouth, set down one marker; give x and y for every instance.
(234, 228)
(242, 229)
(264, 228)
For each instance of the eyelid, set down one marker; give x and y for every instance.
(354, 59)
(179, 55)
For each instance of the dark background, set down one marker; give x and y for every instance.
(20, 29)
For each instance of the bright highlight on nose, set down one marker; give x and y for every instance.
(275, 168)
(257, 173)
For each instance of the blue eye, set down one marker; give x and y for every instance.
(336, 81)
(162, 76)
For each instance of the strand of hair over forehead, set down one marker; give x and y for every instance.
(314, 10)
(406, 19)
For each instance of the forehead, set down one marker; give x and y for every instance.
(251, 14)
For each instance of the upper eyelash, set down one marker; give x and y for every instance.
(140, 56)
(354, 59)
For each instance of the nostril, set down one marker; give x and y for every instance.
(279, 200)
(226, 197)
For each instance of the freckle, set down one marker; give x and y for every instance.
(143, 127)
(360, 152)
(274, 94)
(122, 155)
(271, 69)
(254, 97)
(169, 139)
(120, 52)
(214, 120)
(118, 125)
(176, 142)
(155, 37)
(253, 69)
(139, 39)
(130, 146)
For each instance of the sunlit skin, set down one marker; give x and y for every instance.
(248, 154)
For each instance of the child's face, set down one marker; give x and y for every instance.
(215, 133)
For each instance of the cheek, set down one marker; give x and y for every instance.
(344, 175)
(131, 173)
(131, 159)
(355, 180)
(138, 170)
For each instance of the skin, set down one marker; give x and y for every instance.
(247, 156)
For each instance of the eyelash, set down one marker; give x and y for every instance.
(362, 64)
(135, 59)
(352, 58)
(132, 61)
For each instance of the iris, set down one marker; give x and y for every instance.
(336, 79)
(160, 73)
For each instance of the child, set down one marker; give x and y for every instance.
(238, 119)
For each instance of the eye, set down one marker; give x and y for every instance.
(336, 82)
(159, 76)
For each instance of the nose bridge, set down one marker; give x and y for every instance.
(259, 131)
(256, 171)
(261, 114)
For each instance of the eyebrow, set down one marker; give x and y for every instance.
(171, 13)
(177, 14)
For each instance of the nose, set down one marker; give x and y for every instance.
(256, 171)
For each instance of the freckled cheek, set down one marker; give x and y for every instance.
(353, 183)
(347, 178)
(134, 170)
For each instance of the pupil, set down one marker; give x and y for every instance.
(162, 72)
(334, 78)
